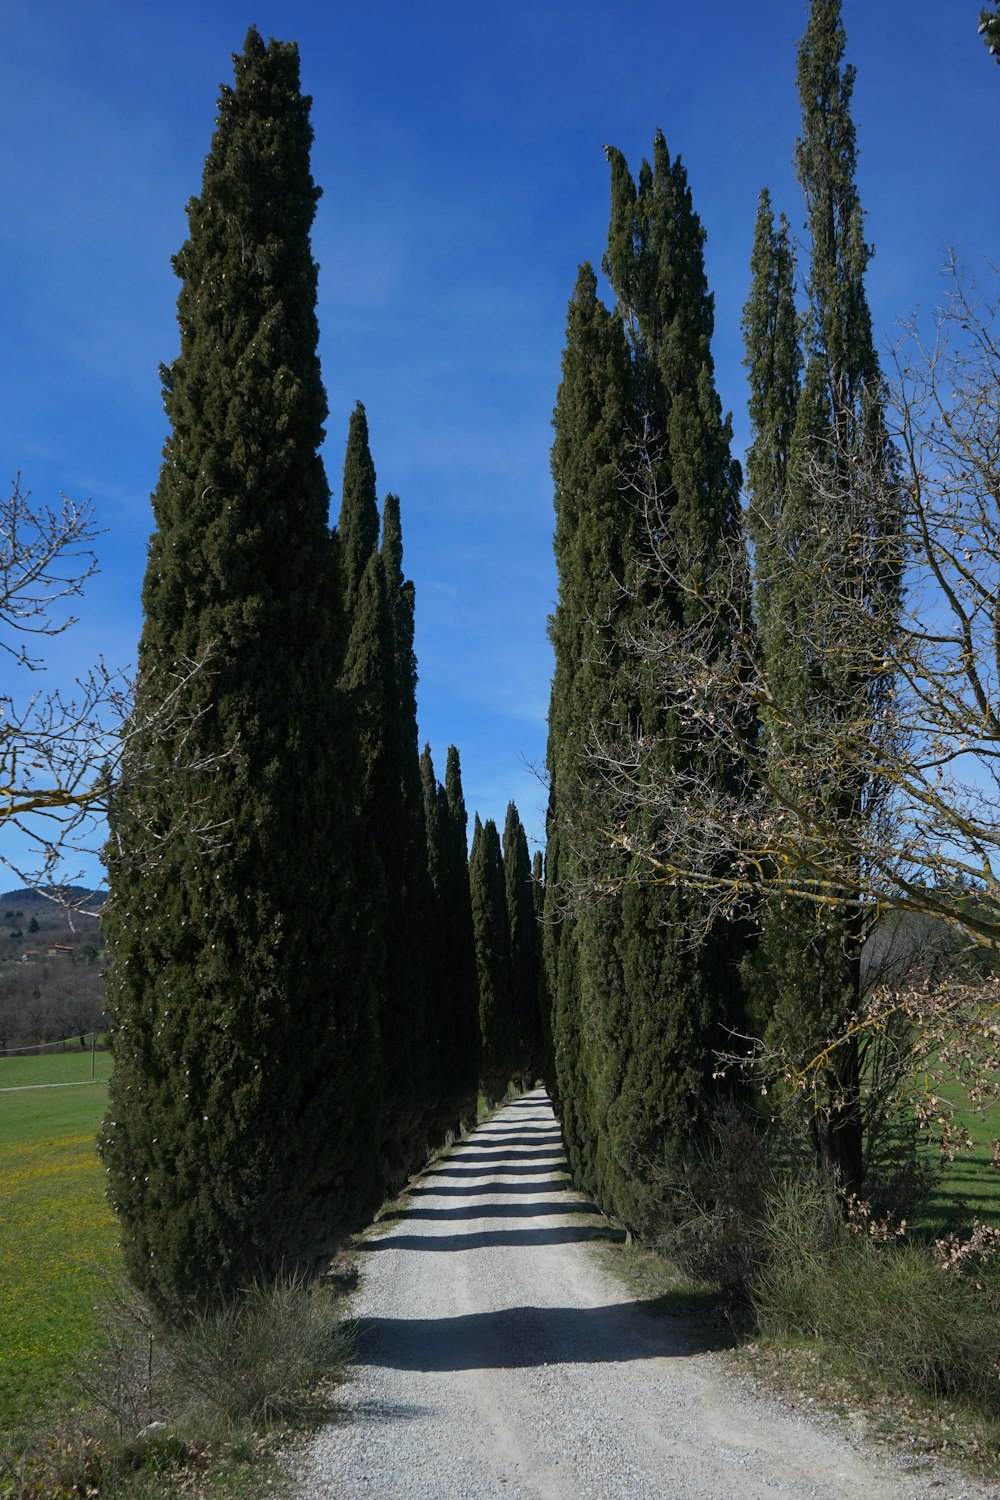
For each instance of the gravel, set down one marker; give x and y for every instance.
(497, 1359)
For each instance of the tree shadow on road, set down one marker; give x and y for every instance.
(529, 1337)
(542, 1136)
(560, 1234)
(470, 1190)
(494, 1211)
(499, 1164)
(510, 1153)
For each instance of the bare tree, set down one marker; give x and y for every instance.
(933, 845)
(64, 753)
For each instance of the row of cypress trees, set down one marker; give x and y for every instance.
(294, 1000)
(309, 980)
(506, 899)
(645, 987)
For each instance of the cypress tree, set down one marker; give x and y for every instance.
(461, 948)
(497, 1025)
(820, 446)
(657, 1042)
(380, 677)
(405, 858)
(594, 542)
(637, 1001)
(239, 1132)
(435, 938)
(545, 1060)
(367, 682)
(522, 927)
(454, 983)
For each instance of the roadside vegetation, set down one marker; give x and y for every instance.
(894, 1324)
(57, 1240)
(94, 1399)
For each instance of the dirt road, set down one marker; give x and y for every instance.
(498, 1359)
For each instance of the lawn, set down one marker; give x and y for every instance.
(58, 1238)
(970, 1185)
(54, 1067)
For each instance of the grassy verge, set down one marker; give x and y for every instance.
(89, 1405)
(200, 1412)
(811, 1375)
(899, 1333)
(807, 1372)
(58, 1242)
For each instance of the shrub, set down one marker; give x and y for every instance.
(891, 1305)
(259, 1356)
(714, 1207)
(162, 1401)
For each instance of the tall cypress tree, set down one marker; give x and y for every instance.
(435, 939)
(657, 1042)
(638, 1003)
(522, 927)
(405, 859)
(497, 1025)
(454, 984)
(823, 521)
(368, 684)
(595, 540)
(238, 1137)
(545, 1059)
(380, 677)
(461, 947)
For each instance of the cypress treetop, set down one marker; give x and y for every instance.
(358, 526)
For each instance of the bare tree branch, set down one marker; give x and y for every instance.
(925, 835)
(64, 753)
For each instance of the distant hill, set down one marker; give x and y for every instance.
(76, 895)
(52, 962)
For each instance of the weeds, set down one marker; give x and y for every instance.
(257, 1359)
(899, 1313)
(752, 1219)
(164, 1406)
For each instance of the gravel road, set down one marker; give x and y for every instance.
(497, 1359)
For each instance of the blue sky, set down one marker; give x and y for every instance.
(459, 151)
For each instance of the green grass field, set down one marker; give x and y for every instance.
(970, 1185)
(54, 1067)
(58, 1238)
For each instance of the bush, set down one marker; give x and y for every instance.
(899, 1313)
(161, 1401)
(714, 1207)
(258, 1358)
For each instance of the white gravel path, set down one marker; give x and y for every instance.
(498, 1359)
